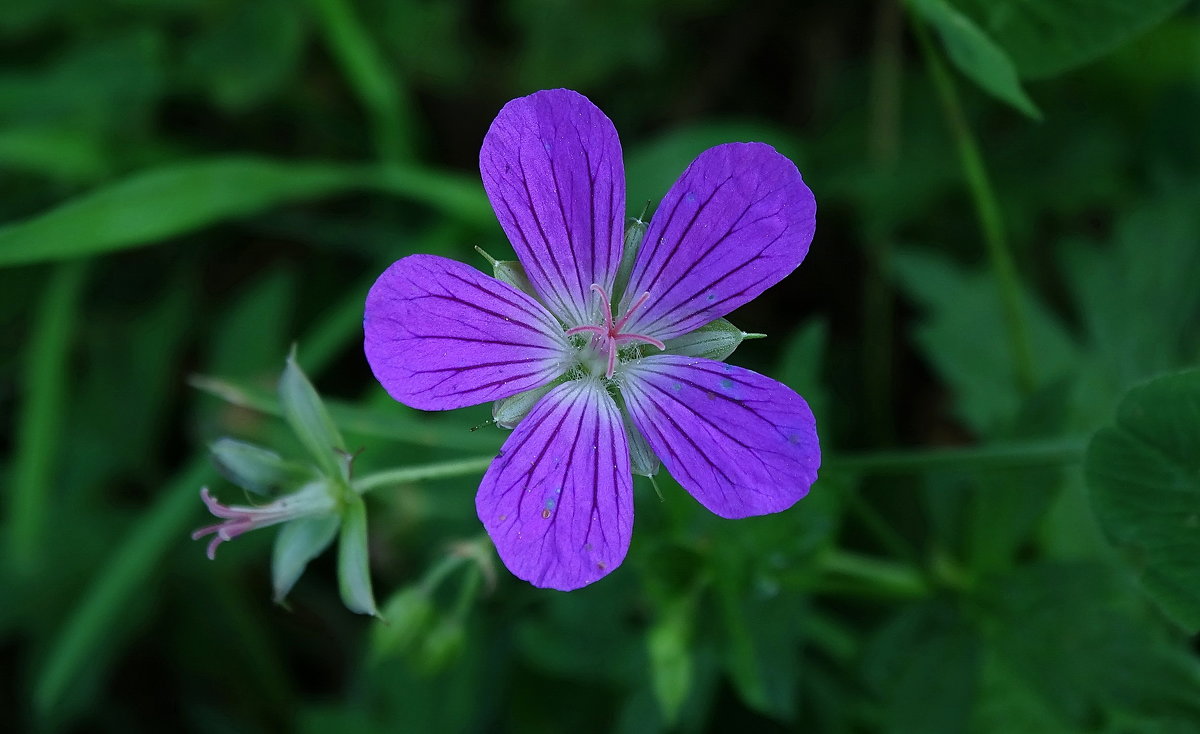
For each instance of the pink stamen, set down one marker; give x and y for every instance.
(608, 336)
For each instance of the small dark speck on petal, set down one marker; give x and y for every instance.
(710, 395)
(691, 197)
(546, 514)
(601, 565)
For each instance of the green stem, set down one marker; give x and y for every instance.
(404, 474)
(1061, 452)
(845, 571)
(986, 208)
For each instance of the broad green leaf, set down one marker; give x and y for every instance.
(354, 565)
(958, 337)
(975, 54)
(1144, 478)
(309, 419)
(923, 666)
(1134, 665)
(1047, 37)
(179, 198)
(297, 543)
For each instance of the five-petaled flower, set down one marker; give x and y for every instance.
(558, 499)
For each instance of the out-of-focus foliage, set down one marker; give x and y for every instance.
(190, 187)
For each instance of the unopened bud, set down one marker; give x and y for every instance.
(509, 271)
(715, 340)
(510, 411)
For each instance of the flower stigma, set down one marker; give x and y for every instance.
(607, 339)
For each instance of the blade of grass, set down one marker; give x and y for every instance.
(166, 202)
(119, 579)
(122, 575)
(39, 424)
(379, 91)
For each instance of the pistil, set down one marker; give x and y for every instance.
(609, 337)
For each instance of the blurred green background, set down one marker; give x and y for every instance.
(1008, 240)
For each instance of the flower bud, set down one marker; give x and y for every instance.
(715, 340)
(634, 232)
(254, 468)
(508, 412)
(511, 272)
(406, 620)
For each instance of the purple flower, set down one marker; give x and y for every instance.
(558, 499)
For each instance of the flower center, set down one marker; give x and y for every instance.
(608, 337)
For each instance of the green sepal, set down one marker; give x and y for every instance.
(254, 468)
(508, 412)
(310, 421)
(715, 340)
(634, 232)
(297, 543)
(642, 459)
(354, 570)
(511, 272)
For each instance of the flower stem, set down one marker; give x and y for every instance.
(986, 209)
(847, 571)
(403, 474)
(1057, 452)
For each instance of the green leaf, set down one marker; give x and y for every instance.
(41, 422)
(1144, 478)
(354, 568)
(176, 199)
(1047, 37)
(924, 665)
(975, 54)
(122, 576)
(963, 311)
(297, 543)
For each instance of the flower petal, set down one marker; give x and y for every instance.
(741, 443)
(558, 500)
(736, 222)
(551, 165)
(442, 335)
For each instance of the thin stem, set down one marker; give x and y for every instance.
(986, 209)
(846, 571)
(439, 470)
(1061, 452)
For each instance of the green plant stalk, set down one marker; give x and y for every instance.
(844, 571)
(986, 209)
(1058, 452)
(392, 477)
(368, 74)
(39, 424)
